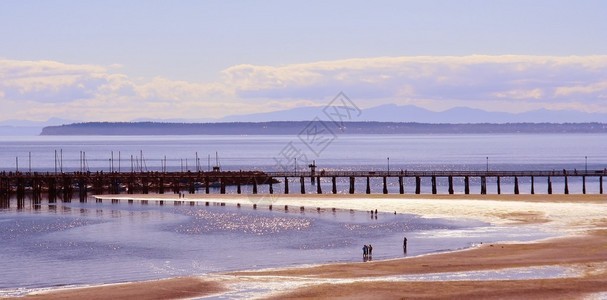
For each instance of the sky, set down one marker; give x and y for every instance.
(148, 59)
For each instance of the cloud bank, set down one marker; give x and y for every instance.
(38, 90)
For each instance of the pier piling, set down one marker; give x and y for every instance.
(286, 185)
(334, 184)
(271, 186)
(385, 190)
(450, 179)
(499, 185)
(318, 188)
(303, 184)
(584, 185)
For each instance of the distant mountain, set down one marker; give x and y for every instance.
(24, 127)
(411, 113)
(323, 129)
(27, 123)
(295, 114)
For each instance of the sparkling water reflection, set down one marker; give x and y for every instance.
(91, 243)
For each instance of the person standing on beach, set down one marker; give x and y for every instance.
(370, 249)
(365, 250)
(405, 245)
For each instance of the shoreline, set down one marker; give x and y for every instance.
(581, 221)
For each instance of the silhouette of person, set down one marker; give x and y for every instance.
(370, 249)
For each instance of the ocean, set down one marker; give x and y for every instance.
(73, 243)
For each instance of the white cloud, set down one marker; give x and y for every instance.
(43, 89)
(449, 79)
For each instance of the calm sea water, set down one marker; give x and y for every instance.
(90, 243)
(339, 152)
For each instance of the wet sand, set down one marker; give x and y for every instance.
(174, 288)
(581, 219)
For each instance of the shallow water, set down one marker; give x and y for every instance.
(250, 287)
(93, 243)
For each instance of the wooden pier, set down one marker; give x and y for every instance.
(67, 185)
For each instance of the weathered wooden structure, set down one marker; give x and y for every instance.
(66, 186)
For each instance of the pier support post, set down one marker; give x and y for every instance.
(318, 188)
(302, 182)
(584, 184)
(286, 185)
(82, 185)
(334, 184)
(466, 185)
(433, 185)
(499, 185)
(566, 185)
(21, 192)
(222, 186)
(161, 185)
(368, 191)
(483, 185)
(271, 186)
(600, 184)
(532, 185)
(516, 190)
(130, 184)
(549, 186)
(418, 185)
(385, 185)
(451, 191)
(254, 185)
(52, 190)
(401, 185)
(206, 184)
(352, 179)
(192, 186)
(238, 183)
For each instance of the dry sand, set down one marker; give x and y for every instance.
(581, 219)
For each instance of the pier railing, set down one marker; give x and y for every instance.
(464, 173)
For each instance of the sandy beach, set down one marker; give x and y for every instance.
(573, 265)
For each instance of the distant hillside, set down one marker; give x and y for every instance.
(411, 113)
(297, 127)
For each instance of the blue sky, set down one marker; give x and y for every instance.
(122, 60)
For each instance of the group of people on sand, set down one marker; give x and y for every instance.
(367, 252)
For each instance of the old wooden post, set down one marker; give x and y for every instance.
(286, 185)
(385, 190)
